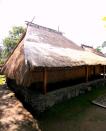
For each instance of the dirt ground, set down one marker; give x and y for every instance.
(94, 119)
(80, 117)
(13, 116)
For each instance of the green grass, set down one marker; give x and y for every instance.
(2, 79)
(72, 110)
(74, 106)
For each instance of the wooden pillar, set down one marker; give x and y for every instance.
(45, 80)
(104, 71)
(86, 72)
(94, 71)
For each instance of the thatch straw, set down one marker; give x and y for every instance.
(43, 47)
(91, 49)
(49, 49)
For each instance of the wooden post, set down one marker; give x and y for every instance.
(104, 72)
(45, 80)
(86, 73)
(94, 71)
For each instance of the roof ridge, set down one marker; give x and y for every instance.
(43, 27)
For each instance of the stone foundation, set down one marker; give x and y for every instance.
(40, 102)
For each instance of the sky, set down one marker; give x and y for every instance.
(79, 20)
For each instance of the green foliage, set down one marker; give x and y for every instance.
(104, 18)
(1, 61)
(11, 41)
(1, 55)
(98, 48)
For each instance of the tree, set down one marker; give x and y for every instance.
(104, 18)
(104, 44)
(11, 41)
(101, 47)
(1, 52)
(98, 48)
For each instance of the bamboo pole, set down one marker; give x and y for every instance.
(45, 81)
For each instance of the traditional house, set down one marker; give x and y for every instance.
(45, 61)
(44, 57)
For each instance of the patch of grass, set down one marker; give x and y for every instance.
(72, 109)
(74, 106)
(2, 79)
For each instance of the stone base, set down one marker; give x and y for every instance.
(40, 102)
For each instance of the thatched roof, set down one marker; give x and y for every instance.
(91, 49)
(48, 48)
(44, 47)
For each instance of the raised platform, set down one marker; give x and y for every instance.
(39, 102)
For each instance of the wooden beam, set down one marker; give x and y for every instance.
(104, 71)
(45, 80)
(86, 72)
